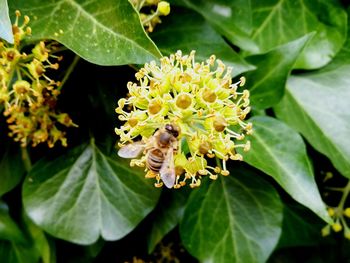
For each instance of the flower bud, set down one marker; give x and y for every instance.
(141, 103)
(183, 101)
(347, 212)
(163, 8)
(40, 52)
(12, 54)
(195, 164)
(331, 211)
(347, 233)
(64, 119)
(36, 68)
(21, 87)
(4, 96)
(219, 123)
(179, 170)
(154, 107)
(326, 230)
(132, 122)
(209, 95)
(204, 147)
(337, 227)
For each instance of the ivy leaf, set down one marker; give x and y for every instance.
(85, 194)
(235, 219)
(15, 246)
(196, 34)
(104, 32)
(259, 26)
(317, 105)
(12, 169)
(280, 21)
(8, 228)
(39, 241)
(269, 79)
(5, 22)
(168, 214)
(17, 253)
(231, 18)
(280, 152)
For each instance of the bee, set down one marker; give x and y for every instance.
(159, 150)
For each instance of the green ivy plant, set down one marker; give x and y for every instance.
(67, 67)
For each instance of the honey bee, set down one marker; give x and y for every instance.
(159, 150)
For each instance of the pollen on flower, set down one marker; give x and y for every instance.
(199, 98)
(27, 94)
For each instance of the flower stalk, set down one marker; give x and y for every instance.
(339, 214)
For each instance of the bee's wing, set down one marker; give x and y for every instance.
(167, 170)
(131, 150)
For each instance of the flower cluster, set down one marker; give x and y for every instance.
(339, 213)
(148, 16)
(27, 94)
(202, 101)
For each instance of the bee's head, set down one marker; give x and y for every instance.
(173, 129)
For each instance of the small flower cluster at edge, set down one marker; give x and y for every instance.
(27, 94)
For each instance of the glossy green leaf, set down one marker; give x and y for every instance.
(277, 22)
(40, 242)
(17, 253)
(15, 246)
(259, 26)
(234, 219)
(5, 22)
(168, 214)
(317, 105)
(104, 32)
(86, 194)
(280, 152)
(231, 18)
(8, 228)
(12, 169)
(267, 82)
(196, 34)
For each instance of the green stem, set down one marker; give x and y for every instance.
(26, 159)
(133, 67)
(140, 5)
(148, 19)
(344, 196)
(336, 189)
(69, 71)
(18, 72)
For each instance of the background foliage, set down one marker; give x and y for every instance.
(84, 204)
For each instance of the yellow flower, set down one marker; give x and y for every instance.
(199, 98)
(27, 94)
(164, 8)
